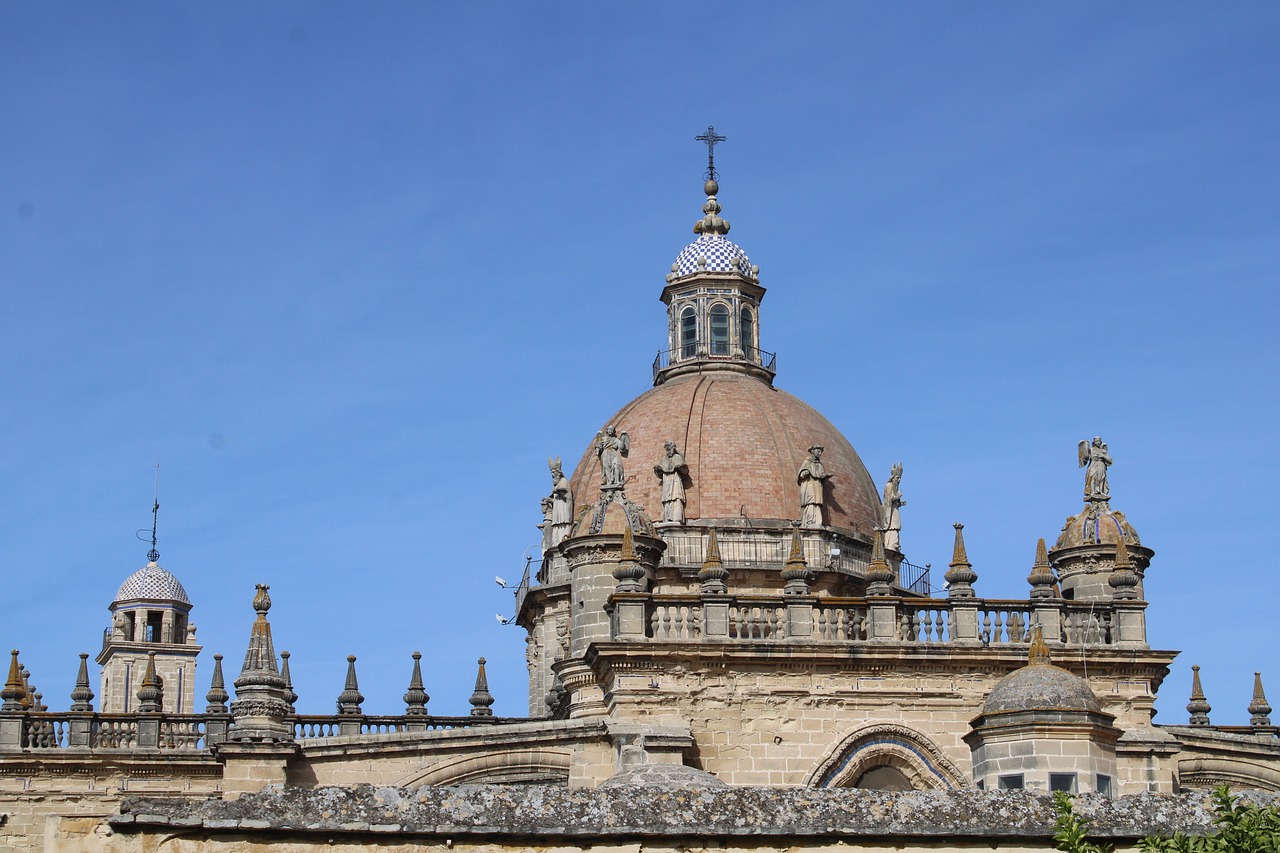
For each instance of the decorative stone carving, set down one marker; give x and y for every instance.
(961, 575)
(893, 504)
(118, 626)
(561, 503)
(671, 470)
(812, 479)
(1198, 707)
(481, 698)
(611, 448)
(1095, 459)
(546, 526)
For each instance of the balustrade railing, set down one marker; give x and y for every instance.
(308, 726)
(906, 619)
(839, 624)
(758, 551)
(195, 733)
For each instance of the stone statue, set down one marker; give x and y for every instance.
(548, 506)
(812, 478)
(561, 503)
(1094, 455)
(893, 504)
(671, 470)
(611, 447)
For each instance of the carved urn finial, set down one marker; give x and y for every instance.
(961, 575)
(1258, 708)
(481, 698)
(1198, 707)
(262, 600)
(1044, 584)
(713, 573)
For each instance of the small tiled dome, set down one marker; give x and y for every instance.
(1041, 687)
(1103, 528)
(713, 253)
(152, 583)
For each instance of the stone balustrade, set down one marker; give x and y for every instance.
(691, 617)
(194, 733)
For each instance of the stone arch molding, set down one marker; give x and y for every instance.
(887, 745)
(540, 765)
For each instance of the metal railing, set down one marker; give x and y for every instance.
(721, 352)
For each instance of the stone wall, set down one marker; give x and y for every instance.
(472, 818)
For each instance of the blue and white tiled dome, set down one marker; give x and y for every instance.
(152, 583)
(717, 252)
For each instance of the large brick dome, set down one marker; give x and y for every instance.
(744, 442)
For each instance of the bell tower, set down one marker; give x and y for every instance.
(150, 615)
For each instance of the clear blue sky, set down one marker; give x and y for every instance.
(350, 272)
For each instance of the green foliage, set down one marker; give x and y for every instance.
(1241, 828)
(1069, 829)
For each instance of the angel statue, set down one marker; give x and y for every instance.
(893, 504)
(611, 447)
(1094, 455)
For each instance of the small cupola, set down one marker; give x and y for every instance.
(713, 297)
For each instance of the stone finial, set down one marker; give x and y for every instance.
(82, 694)
(961, 575)
(217, 696)
(14, 693)
(879, 572)
(289, 696)
(415, 699)
(713, 573)
(1038, 651)
(795, 572)
(150, 693)
(260, 708)
(350, 698)
(1044, 584)
(1123, 579)
(37, 702)
(27, 690)
(1259, 708)
(629, 573)
(481, 698)
(1198, 707)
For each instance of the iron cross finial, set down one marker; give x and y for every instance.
(711, 138)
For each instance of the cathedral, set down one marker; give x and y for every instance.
(724, 639)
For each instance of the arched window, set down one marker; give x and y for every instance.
(719, 330)
(884, 778)
(749, 336)
(688, 333)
